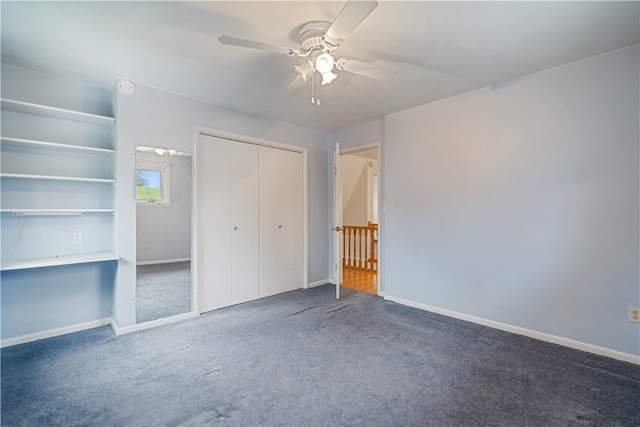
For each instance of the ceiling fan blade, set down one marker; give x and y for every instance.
(296, 85)
(366, 69)
(351, 15)
(233, 41)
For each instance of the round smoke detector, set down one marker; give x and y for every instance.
(126, 87)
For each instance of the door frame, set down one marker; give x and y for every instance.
(202, 130)
(378, 146)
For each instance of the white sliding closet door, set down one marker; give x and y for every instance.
(281, 221)
(227, 222)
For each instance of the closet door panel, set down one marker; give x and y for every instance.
(280, 221)
(270, 234)
(214, 222)
(292, 212)
(244, 216)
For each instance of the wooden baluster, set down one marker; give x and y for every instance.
(375, 255)
(344, 238)
(373, 250)
(350, 260)
(359, 247)
(365, 258)
(346, 246)
(362, 248)
(355, 247)
(369, 249)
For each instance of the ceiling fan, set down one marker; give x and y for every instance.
(318, 42)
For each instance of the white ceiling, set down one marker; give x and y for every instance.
(439, 49)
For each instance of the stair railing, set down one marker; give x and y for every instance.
(359, 247)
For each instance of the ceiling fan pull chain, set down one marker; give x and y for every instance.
(315, 89)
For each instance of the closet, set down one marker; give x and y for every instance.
(249, 221)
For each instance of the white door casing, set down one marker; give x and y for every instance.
(337, 219)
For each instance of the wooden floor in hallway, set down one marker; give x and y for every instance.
(361, 280)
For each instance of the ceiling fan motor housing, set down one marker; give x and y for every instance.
(311, 35)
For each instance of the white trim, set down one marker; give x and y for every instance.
(54, 332)
(163, 261)
(151, 324)
(378, 146)
(305, 221)
(566, 342)
(318, 283)
(195, 291)
(360, 148)
(200, 130)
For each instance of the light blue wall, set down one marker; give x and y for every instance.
(55, 297)
(48, 298)
(519, 203)
(366, 133)
(158, 118)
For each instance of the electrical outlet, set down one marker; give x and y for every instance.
(634, 314)
(77, 237)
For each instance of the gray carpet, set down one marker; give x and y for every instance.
(304, 359)
(162, 290)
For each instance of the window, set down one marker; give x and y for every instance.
(152, 183)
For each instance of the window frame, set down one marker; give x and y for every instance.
(165, 182)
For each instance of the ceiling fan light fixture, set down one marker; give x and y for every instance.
(328, 77)
(324, 65)
(304, 70)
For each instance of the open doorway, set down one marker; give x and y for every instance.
(360, 218)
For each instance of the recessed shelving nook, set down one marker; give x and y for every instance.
(58, 168)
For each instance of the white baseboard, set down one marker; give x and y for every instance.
(151, 324)
(54, 332)
(567, 342)
(318, 283)
(163, 261)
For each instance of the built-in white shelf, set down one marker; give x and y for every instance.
(55, 146)
(58, 178)
(61, 113)
(58, 261)
(45, 212)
